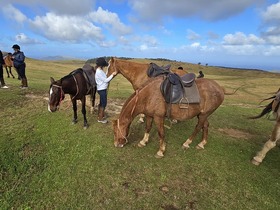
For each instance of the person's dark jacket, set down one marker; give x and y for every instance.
(1, 58)
(19, 58)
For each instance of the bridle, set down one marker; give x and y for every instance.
(61, 93)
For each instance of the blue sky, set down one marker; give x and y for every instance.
(236, 33)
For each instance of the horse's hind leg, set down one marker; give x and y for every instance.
(7, 71)
(10, 70)
(271, 143)
(204, 135)
(202, 123)
(74, 103)
(84, 112)
(160, 127)
(144, 141)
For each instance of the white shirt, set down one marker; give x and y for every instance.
(101, 79)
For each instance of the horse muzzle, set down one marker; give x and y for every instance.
(53, 108)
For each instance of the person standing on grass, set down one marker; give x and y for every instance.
(102, 82)
(2, 62)
(18, 61)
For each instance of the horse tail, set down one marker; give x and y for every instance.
(234, 91)
(266, 110)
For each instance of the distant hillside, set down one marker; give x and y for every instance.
(58, 57)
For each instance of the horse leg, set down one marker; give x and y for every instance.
(92, 96)
(198, 127)
(141, 119)
(10, 70)
(271, 143)
(7, 71)
(204, 135)
(84, 112)
(74, 103)
(144, 141)
(160, 127)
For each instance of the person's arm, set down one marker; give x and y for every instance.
(20, 57)
(1, 58)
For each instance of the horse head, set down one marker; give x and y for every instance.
(112, 66)
(120, 134)
(56, 95)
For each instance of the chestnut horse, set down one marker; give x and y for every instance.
(149, 100)
(135, 73)
(275, 136)
(8, 64)
(74, 84)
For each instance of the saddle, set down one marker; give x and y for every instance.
(180, 90)
(89, 74)
(154, 70)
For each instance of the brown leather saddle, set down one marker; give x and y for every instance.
(176, 89)
(154, 70)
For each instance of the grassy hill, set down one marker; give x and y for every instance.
(48, 163)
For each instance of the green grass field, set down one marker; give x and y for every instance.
(48, 163)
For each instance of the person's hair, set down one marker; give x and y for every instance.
(15, 46)
(101, 62)
(180, 67)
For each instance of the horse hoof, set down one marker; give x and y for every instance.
(74, 122)
(159, 156)
(185, 147)
(255, 162)
(199, 146)
(140, 121)
(141, 145)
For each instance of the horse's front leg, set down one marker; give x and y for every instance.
(84, 112)
(7, 71)
(271, 143)
(159, 121)
(144, 141)
(74, 104)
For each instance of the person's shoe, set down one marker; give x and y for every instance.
(103, 121)
(5, 87)
(23, 87)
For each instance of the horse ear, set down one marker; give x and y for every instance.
(52, 80)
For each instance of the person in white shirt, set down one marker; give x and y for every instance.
(102, 82)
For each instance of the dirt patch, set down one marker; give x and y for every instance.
(235, 133)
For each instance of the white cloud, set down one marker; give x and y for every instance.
(66, 28)
(240, 38)
(23, 39)
(111, 19)
(14, 14)
(272, 13)
(191, 35)
(70, 7)
(155, 10)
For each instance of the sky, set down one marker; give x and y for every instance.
(231, 33)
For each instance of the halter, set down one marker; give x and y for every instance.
(61, 93)
(118, 122)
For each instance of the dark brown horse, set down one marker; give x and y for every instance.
(275, 136)
(74, 84)
(149, 100)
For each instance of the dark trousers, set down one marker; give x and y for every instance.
(21, 71)
(103, 98)
(1, 76)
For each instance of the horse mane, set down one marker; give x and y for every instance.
(79, 70)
